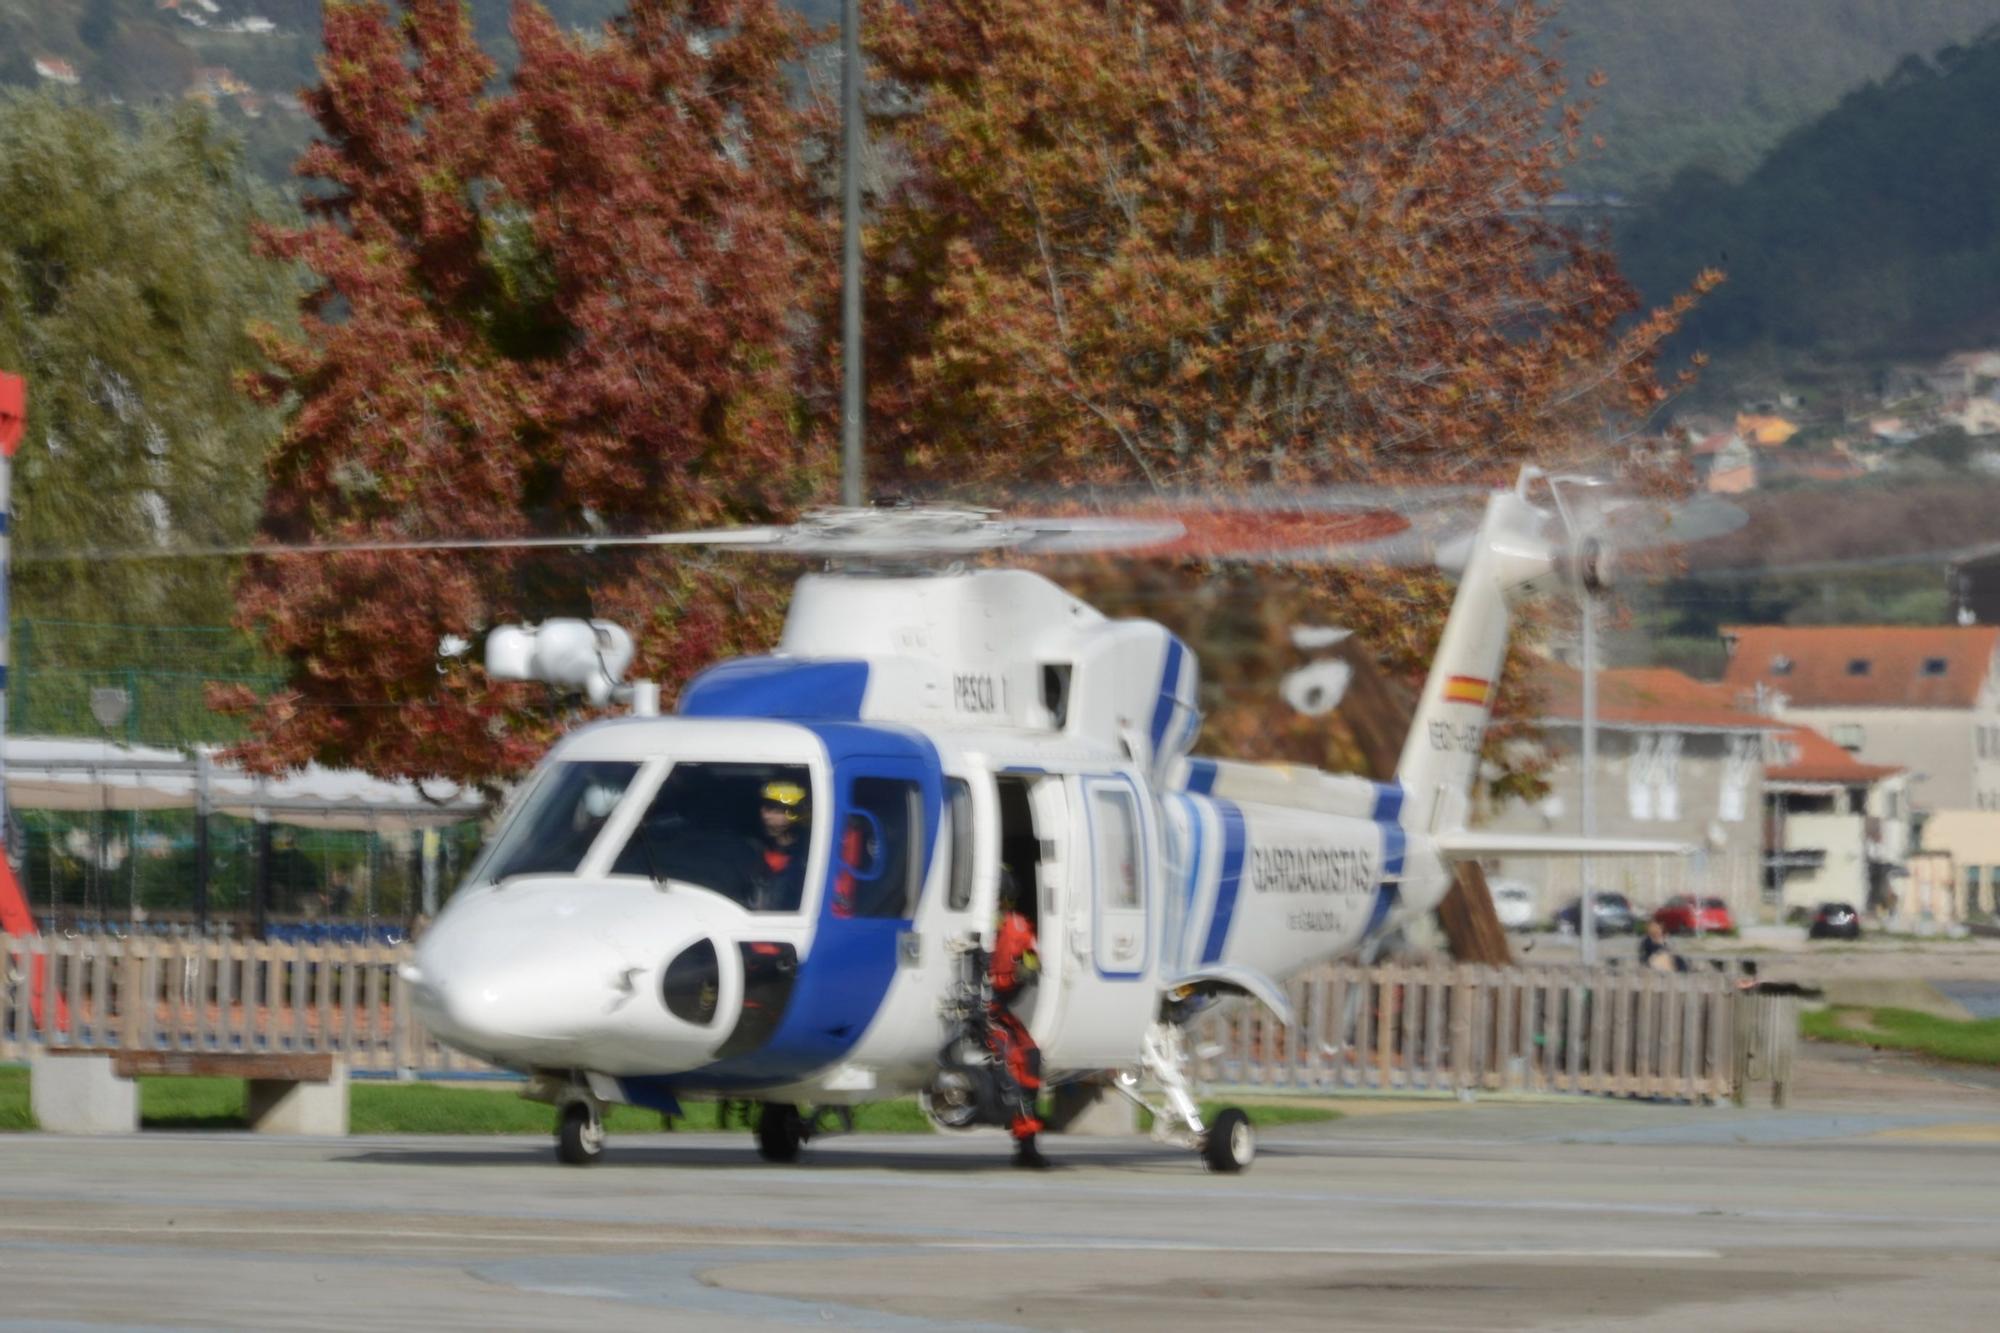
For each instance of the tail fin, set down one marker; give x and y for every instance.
(1515, 554)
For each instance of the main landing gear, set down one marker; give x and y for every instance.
(783, 1130)
(1227, 1146)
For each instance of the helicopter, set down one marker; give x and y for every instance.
(947, 727)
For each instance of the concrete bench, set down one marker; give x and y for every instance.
(93, 1092)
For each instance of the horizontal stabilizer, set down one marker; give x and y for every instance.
(1471, 844)
(1227, 977)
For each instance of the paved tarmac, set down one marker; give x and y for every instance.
(1849, 1213)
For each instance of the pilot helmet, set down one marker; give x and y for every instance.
(789, 796)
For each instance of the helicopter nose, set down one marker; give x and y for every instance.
(534, 998)
(539, 979)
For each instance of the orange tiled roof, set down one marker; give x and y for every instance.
(1646, 697)
(1908, 666)
(1766, 432)
(1814, 758)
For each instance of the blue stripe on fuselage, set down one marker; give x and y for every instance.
(1201, 776)
(1232, 879)
(1388, 802)
(1395, 842)
(1163, 709)
(1190, 885)
(830, 690)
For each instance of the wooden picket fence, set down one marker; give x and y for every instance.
(1466, 1028)
(168, 994)
(1437, 1028)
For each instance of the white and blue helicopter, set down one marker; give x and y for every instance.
(944, 722)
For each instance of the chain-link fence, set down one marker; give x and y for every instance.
(120, 870)
(162, 672)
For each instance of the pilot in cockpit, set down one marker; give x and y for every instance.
(784, 832)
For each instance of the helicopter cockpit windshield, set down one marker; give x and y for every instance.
(563, 814)
(740, 830)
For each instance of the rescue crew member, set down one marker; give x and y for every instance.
(1014, 967)
(785, 819)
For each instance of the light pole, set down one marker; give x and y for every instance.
(109, 705)
(13, 421)
(1584, 577)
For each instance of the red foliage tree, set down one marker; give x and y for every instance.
(554, 310)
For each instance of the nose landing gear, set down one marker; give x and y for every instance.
(580, 1129)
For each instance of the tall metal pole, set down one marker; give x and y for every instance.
(850, 253)
(13, 423)
(13, 420)
(1584, 580)
(1587, 927)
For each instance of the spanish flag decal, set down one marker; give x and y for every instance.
(1467, 690)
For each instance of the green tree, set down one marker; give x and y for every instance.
(127, 295)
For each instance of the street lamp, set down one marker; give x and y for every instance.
(109, 705)
(1586, 578)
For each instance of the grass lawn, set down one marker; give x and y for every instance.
(432, 1108)
(1973, 1043)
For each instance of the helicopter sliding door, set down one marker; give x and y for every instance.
(1097, 943)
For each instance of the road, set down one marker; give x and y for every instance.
(1849, 1211)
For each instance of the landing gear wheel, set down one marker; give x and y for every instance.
(781, 1132)
(579, 1134)
(1230, 1143)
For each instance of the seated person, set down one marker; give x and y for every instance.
(784, 818)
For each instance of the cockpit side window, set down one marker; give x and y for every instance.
(561, 818)
(881, 850)
(741, 830)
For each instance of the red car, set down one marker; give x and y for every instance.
(1686, 915)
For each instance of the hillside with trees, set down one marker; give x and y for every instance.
(1717, 84)
(245, 59)
(1708, 83)
(1873, 231)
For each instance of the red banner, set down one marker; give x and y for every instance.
(13, 411)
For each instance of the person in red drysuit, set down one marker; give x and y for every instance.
(1015, 965)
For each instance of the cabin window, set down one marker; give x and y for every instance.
(880, 851)
(1055, 693)
(959, 895)
(1934, 666)
(706, 826)
(563, 814)
(1858, 666)
(1117, 846)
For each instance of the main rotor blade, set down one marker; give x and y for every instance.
(749, 537)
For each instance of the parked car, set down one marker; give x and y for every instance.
(1685, 914)
(1513, 903)
(1614, 914)
(1835, 921)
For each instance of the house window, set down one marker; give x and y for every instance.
(1781, 665)
(1847, 735)
(1934, 666)
(1858, 666)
